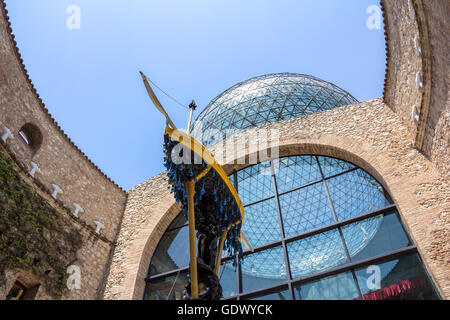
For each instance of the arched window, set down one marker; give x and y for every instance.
(32, 136)
(321, 228)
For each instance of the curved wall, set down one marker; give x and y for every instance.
(437, 131)
(56, 166)
(417, 82)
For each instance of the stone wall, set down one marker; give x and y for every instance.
(54, 164)
(417, 75)
(437, 132)
(92, 254)
(404, 78)
(150, 209)
(368, 134)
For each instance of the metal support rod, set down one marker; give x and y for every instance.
(219, 255)
(190, 186)
(204, 172)
(189, 121)
(245, 241)
(192, 107)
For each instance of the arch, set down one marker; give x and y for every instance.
(362, 154)
(401, 181)
(140, 252)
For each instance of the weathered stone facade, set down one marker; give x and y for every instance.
(149, 211)
(402, 140)
(61, 167)
(417, 75)
(404, 77)
(92, 258)
(437, 134)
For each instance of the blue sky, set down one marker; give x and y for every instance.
(194, 49)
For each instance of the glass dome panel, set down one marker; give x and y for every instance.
(294, 172)
(262, 223)
(356, 192)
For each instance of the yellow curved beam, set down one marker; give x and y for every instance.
(219, 255)
(198, 148)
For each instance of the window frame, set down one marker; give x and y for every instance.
(350, 266)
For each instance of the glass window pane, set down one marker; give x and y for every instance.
(292, 172)
(305, 209)
(228, 279)
(374, 236)
(261, 223)
(338, 287)
(280, 295)
(316, 254)
(255, 183)
(400, 279)
(331, 166)
(263, 269)
(355, 193)
(167, 288)
(172, 252)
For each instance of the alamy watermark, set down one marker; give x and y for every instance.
(374, 20)
(373, 282)
(74, 280)
(74, 20)
(234, 147)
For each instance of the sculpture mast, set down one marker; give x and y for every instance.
(218, 211)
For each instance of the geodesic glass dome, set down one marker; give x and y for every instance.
(263, 100)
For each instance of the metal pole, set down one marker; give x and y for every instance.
(219, 255)
(192, 107)
(190, 186)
